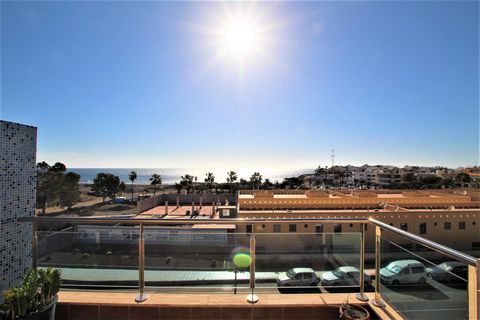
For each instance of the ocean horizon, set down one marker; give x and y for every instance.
(172, 175)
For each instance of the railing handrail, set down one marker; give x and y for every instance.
(154, 221)
(463, 257)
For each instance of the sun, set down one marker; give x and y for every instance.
(240, 37)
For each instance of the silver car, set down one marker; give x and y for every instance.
(344, 276)
(297, 277)
(403, 272)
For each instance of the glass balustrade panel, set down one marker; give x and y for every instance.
(90, 255)
(209, 259)
(308, 262)
(420, 283)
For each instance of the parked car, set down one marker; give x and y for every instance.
(298, 277)
(450, 271)
(344, 276)
(402, 272)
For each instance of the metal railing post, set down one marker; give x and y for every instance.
(362, 296)
(34, 245)
(378, 298)
(474, 291)
(252, 298)
(141, 267)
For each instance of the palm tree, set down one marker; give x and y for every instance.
(187, 182)
(155, 179)
(231, 179)
(179, 187)
(132, 176)
(256, 180)
(243, 183)
(209, 180)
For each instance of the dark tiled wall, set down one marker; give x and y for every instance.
(18, 146)
(247, 312)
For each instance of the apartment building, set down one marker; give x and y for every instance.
(17, 199)
(449, 218)
(378, 175)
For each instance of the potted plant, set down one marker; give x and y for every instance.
(353, 312)
(349, 311)
(35, 300)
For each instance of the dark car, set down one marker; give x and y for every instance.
(450, 271)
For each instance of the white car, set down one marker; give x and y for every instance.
(402, 272)
(344, 276)
(297, 277)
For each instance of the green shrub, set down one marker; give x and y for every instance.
(38, 291)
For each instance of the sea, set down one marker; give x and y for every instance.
(172, 175)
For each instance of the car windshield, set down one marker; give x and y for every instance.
(291, 273)
(338, 273)
(392, 267)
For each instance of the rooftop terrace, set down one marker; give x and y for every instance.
(202, 275)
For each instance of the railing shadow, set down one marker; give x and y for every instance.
(425, 291)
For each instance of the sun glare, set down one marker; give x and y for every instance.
(240, 37)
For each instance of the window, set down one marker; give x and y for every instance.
(404, 226)
(423, 228)
(405, 271)
(447, 225)
(461, 225)
(475, 245)
(292, 228)
(277, 228)
(226, 212)
(249, 228)
(417, 269)
(319, 228)
(337, 228)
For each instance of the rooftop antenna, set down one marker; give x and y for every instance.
(333, 157)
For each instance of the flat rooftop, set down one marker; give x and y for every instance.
(174, 212)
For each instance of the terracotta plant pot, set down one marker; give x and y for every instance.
(345, 315)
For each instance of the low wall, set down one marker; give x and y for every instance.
(185, 199)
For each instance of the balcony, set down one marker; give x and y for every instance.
(183, 269)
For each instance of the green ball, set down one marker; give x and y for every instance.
(242, 260)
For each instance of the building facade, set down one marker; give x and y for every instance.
(17, 199)
(450, 218)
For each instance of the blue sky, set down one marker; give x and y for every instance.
(141, 84)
